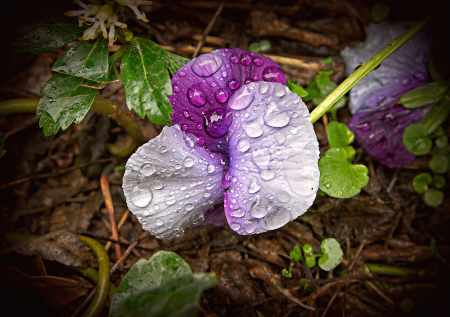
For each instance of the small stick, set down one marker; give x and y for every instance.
(208, 29)
(109, 205)
(119, 226)
(86, 300)
(361, 246)
(128, 251)
(325, 122)
(330, 302)
(379, 292)
(393, 180)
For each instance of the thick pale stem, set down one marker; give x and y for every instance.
(366, 68)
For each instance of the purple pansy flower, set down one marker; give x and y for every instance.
(256, 169)
(378, 121)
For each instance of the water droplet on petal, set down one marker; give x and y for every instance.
(238, 213)
(170, 200)
(263, 87)
(188, 161)
(206, 195)
(243, 145)
(277, 217)
(211, 168)
(147, 169)
(176, 88)
(214, 124)
(252, 128)
(254, 186)
(259, 207)
(189, 207)
(196, 96)
(141, 196)
(258, 61)
(159, 222)
(246, 59)
(233, 84)
(235, 226)
(157, 185)
(242, 99)
(283, 196)
(234, 59)
(250, 225)
(221, 95)
(274, 74)
(206, 64)
(163, 149)
(156, 207)
(363, 126)
(274, 117)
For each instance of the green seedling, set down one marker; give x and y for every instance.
(260, 47)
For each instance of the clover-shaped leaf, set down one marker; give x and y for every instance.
(339, 135)
(161, 286)
(310, 257)
(332, 254)
(416, 139)
(296, 254)
(339, 177)
(421, 181)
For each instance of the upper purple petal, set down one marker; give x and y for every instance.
(273, 174)
(379, 132)
(404, 70)
(202, 88)
(170, 182)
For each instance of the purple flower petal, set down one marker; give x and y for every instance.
(379, 132)
(171, 182)
(273, 175)
(202, 88)
(404, 70)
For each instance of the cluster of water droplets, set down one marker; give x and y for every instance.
(273, 174)
(170, 183)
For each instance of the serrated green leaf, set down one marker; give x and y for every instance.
(161, 286)
(439, 181)
(176, 62)
(64, 100)
(416, 139)
(332, 254)
(421, 181)
(423, 96)
(438, 164)
(146, 80)
(339, 135)
(38, 26)
(297, 89)
(433, 197)
(2, 143)
(86, 59)
(339, 178)
(379, 12)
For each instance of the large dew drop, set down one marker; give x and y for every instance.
(207, 64)
(254, 186)
(147, 169)
(188, 161)
(278, 216)
(196, 96)
(252, 128)
(250, 225)
(141, 196)
(259, 207)
(243, 145)
(275, 117)
(241, 100)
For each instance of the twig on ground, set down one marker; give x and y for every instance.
(361, 246)
(393, 180)
(128, 251)
(330, 302)
(119, 226)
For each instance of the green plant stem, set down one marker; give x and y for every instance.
(437, 114)
(367, 67)
(103, 277)
(100, 105)
(92, 274)
(390, 270)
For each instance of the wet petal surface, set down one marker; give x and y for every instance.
(171, 182)
(273, 174)
(404, 70)
(202, 88)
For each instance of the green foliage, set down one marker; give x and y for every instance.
(260, 314)
(332, 254)
(437, 114)
(296, 254)
(162, 286)
(2, 144)
(423, 96)
(86, 59)
(438, 164)
(416, 139)
(310, 257)
(37, 28)
(339, 135)
(260, 47)
(379, 12)
(65, 99)
(433, 197)
(297, 89)
(146, 79)
(439, 181)
(421, 181)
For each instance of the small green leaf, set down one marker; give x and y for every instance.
(254, 47)
(416, 140)
(439, 131)
(146, 80)
(86, 59)
(350, 152)
(297, 89)
(260, 314)
(175, 62)
(339, 135)
(286, 273)
(264, 46)
(433, 197)
(421, 181)
(65, 100)
(339, 178)
(332, 254)
(439, 181)
(437, 114)
(438, 164)
(296, 253)
(323, 78)
(308, 250)
(379, 12)
(112, 61)
(161, 286)
(423, 96)
(327, 60)
(441, 141)
(310, 261)
(2, 143)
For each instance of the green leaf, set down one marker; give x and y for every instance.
(86, 59)
(437, 114)
(421, 181)
(296, 253)
(65, 100)
(332, 254)
(379, 12)
(327, 60)
(438, 132)
(339, 178)
(416, 140)
(439, 181)
(2, 143)
(146, 80)
(438, 164)
(339, 135)
(297, 89)
(433, 197)
(162, 286)
(112, 61)
(323, 78)
(350, 152)
(423, 96)
(176, 62)
(37, 26)
(441, 141)
(310, 257)
(260, 47)
(254, 47)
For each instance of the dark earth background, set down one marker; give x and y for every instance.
(387, 223)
